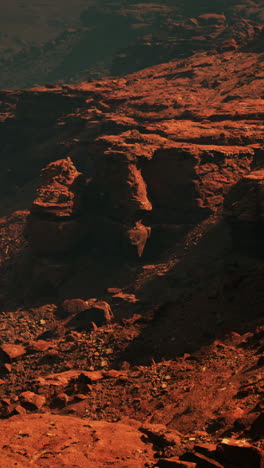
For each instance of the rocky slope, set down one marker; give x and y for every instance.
(131, 249)
(59, 42)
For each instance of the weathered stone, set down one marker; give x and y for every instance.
(66, 440)
(73, 306)
(240, 453)
(18, 410)
(52, 226)
(31, 401)
(98, 312)
(137, 237)
(12, 351)
(56, 194)
(39, 346)
(160, 435)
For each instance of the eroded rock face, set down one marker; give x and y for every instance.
(118, 187)
(9, 352)
(96, 312)
(54, 225)
(73, 306)
(244, 210)
(137, 237)
(159, 149)
(185, 183)
(60, 218)
(57, 193)
(240, 453)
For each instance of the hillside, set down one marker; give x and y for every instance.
(59, 42)
(131, 291)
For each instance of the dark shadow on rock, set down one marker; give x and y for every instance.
(212, 291)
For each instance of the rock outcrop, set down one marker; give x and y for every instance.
(53, 225)
(66, 212)
(165, 365)
(171, 152)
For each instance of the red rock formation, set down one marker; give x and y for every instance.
(53, 225)
(99, 442)
(137, 237)
(57, 193)
(161, 151)
(170, 140)
(96, 312)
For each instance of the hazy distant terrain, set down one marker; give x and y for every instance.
(29, 22)
(68, 41)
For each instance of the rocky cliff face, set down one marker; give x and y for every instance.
(170, 140)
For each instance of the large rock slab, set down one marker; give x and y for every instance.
(48, 440)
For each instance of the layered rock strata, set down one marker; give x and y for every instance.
(158, 149)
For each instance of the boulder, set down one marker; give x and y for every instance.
(11, 351)
(136, 238)
(118, 186)
(57, 193)
(160, 435)
(39, 346)
(97, 312)
(240, 453)
(53, 225)
(60, 401)
(31, 401)
(63, 379)
(74, 306)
